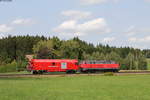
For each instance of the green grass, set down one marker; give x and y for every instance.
(20, 72)
(76, 88)
(148, 64)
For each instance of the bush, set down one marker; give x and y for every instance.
(11, 67)
(21, 65)
(109, 74)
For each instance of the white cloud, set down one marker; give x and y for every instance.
(138, 37)
(140, 40)
(132, 39)
(5, 28)
(11, 25)
(142, 43)
(74, 14)
(132, 30)
(108, 39)
(72, 27)
(93, 2)
(22, 22)
(1, 35)
(147, 0)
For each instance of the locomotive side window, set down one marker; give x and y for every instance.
(76, 63)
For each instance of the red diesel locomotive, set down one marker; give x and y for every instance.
(93, 66)
(39, 66)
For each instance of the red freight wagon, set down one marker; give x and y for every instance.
(52, 65)
(93, 66)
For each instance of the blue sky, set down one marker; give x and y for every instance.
(114, 22)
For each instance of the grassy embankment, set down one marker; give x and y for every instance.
(76, 88)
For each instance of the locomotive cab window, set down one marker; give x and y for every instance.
(53, 64)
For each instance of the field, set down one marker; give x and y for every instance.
(129, 87)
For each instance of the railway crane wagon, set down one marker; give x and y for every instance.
(39, 66)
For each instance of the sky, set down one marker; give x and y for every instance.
(115, 22)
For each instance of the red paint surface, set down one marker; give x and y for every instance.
(100, 66)
(49, 66)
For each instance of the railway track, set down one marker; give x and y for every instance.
(69, 75)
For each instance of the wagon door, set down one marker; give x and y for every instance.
(63, 65)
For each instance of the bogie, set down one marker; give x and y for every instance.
(70, 71)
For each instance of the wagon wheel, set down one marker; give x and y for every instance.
(34, 72)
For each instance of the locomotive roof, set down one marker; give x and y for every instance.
(97, 62)
(54, 60)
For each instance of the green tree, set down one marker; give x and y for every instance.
(129, 61)
(45, 49)
(70, 49)
(113, 56)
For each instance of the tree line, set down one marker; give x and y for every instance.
(14, 48)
